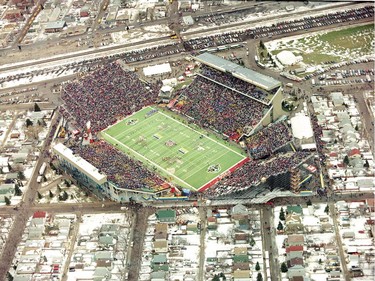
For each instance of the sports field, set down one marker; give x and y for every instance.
(185, 156)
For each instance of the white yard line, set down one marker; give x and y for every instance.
(213, 162)
(151, 162)
(202, 134)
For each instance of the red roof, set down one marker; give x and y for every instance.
(354, 151)
(39, 214)
(333, 154)
(294, 249)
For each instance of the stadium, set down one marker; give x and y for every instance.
(222, 134)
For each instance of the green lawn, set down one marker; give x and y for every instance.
(337, 45)
(186, 156)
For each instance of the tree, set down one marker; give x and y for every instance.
(17, 190)
(216, 278)
(50, 194)
(9, 167)
(284, 267)
(257, 266)
(222, 276)
(280, 226)
(346, 160)
(67, 183)
(21, 175)
(252, 242)
(326, 210)
(7, 201)
(261, 44)
(366, 165)
(39, 195)
(29, 122)
(36, 107)
(308, 203)
(259, 277)
(320, 261)
(9, 276)
(282, 214)
(356, 127)
(65, 196)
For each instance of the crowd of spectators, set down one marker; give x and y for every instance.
(104, 96)
(281, 27)
(232, 82)
(253, 172)
(266, 141)
(119, 168)
(219, 108)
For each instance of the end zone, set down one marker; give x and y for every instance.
(222, 175)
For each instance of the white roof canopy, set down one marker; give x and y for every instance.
(157, 69)
(301, 127)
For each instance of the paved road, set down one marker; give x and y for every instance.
(339, 245)
(203, 221)
(268, 236)
(155, 40)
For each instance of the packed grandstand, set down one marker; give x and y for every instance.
(214, 100)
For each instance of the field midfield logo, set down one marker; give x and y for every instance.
(170, 143)
(214, 168)
(132, 122)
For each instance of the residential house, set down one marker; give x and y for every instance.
(159, 259)
(242, 275)
(348, 234)
(297, 270)
(158, 276)
(293, 223)
(6, 190)
(239, 212)
(295, 240)
(294, 252)
(240, 251)
(295, 261)
(38, 218)
(161, 232)
(167, 216)
(192, 227)
(161, 246)
(55, 26)
(101, 273)
(104, 255)
(241, 266)
(241, 238)
(211, 223)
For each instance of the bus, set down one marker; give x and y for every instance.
(42, 169)
(39, 179)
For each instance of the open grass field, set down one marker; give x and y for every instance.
(337, 45)
(185, 156)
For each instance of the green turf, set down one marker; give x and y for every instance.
(146, 140)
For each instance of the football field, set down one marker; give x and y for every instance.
(185, 156)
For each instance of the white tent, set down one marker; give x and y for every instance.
(301, 127)
(287, 58)
(157, 69)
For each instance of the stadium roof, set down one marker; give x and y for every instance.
(262, 81)
(80, 163)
